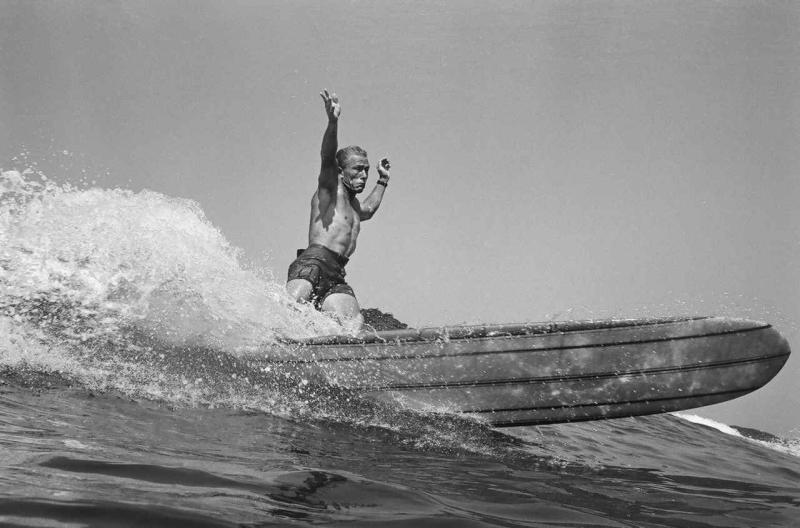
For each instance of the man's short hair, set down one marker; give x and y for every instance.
(346, 152)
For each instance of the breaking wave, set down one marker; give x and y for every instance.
(137, 292)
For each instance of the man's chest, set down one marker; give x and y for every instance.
(342, 211)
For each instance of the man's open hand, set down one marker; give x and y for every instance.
(332, 107)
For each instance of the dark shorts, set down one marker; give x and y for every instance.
(324, 269)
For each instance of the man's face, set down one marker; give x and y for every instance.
(354, 172)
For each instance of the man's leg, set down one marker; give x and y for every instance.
(300, 289)
(346, 309)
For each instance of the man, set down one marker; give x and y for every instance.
(317, 275)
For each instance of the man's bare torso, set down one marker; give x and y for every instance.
(335, 220)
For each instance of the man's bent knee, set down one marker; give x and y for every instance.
(299, 289)
(345, 307)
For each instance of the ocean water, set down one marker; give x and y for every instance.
(133, 392)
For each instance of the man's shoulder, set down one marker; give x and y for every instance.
(328, 189)
(327, 196)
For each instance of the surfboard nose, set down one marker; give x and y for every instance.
(763, 349)
(781, 350)
(751, 340)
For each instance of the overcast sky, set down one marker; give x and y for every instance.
(550, 160)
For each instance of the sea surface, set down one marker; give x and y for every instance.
(133, 392)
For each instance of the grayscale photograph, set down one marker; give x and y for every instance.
(402, 263)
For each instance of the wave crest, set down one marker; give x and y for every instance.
(90, 277)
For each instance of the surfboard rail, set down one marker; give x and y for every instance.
(435, 333)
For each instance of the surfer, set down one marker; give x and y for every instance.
(317, 275)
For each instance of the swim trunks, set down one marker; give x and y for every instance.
(324, 269)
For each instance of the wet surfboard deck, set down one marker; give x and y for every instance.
(554, 372)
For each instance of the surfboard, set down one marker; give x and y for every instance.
(553, 372)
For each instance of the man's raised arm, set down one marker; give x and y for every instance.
(328, 173)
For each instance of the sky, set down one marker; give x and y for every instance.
(550, 159)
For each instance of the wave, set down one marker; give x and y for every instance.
(790, 446)
(136, 292)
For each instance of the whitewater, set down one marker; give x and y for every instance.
(133, 392)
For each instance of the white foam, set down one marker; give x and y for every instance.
(790, 447)
(116, 258)
(708, 422)
(85, 272)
